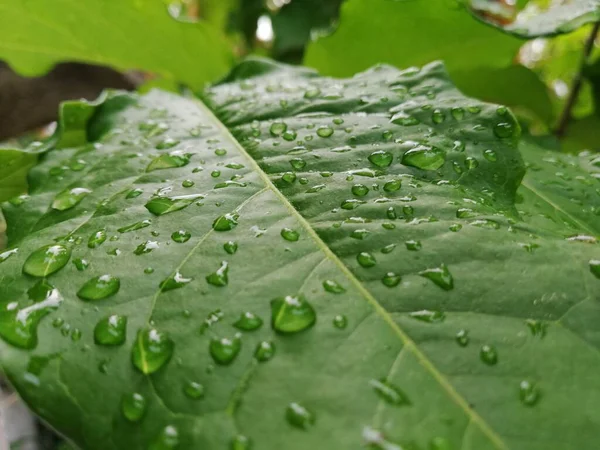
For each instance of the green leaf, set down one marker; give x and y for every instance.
(375, 31)
(558, 18)
(14, 166)
(127, 34)
(377, 302)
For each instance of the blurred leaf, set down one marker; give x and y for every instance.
(125, 34)
(14, 167)
(513, 86)
(582, 134)
(558, 18)
(407, 33)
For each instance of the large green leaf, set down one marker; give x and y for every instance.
(126, 34)
(454, 308)
(558, 18)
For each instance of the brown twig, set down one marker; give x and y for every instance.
(565, 116)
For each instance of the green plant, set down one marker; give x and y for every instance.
(287, 260)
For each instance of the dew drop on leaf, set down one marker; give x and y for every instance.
(462, 338)
(169, 161)
(298, 416)
(7, 254)
(537, 327)
(333, 286)
(297, 163)
(145, 247)
(391, 279)
(528, 393)
(381, 158)
(165, 205)
(181, 236)
(413, 245)
(392, 186)
(290, 235)
(389, 393)
(135, 226)
(289, 177)
(424, 157)
(152, 350)
(438, 116)
(97, 239)
(99, 288)
(47, 260)
(441, 276)
(277, 128)
(240, 442)
(264, 351)
(69, 198)
(366, 259)
(488, 355)
(167, 439)
(81, 264)
(324, 131)
(504, 130)
(174, 282)
(292, 314)
(193, 390)
(187, 183)
(111, 330)
(426, 315)
(490, 155)
(360, 190)
(248, 322)
(225, 350)
(133, 406)
(134, 193)
(595, 267)
(230, 247)
(226, 222)
(219, 277)
(340, 321)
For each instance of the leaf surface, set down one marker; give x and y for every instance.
(128, 34)
(397, 306)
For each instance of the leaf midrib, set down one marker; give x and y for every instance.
(407, 341)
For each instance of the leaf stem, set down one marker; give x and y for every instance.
(565, 116)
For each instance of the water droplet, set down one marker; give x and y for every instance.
(340, 321)
(438, 116)
(165, 205)
(404, 119)
(215, 173)
(7, 254)
(333, 286)
(292, 314)
(230, 247)
(152, 350)
(135, 226)
(290, 235)
(440, 276)
(277, 128)
(537, 327)
(148, 270)
(226, 222)
(133, 406)
(388, 248)
(392, 186)
(316, 188)
(504, 130)
(391, 279)
(248, 322)
(241, 442)
(366, 259)
(224, 350)
(595, 267)
(167, 439)
(134, 193)
(351, 204)
(174, 282)
(111, 330)
(458, 113)
(219, 277)
(297, 163)
(99, 288)
(528, 393)
(167, 143)
(289, 177)
(187, 183)
(488, 355)
(424, 157)
(381, 158)
(360, 190)
(19, 326)
(389, 393)
(97, 239)
(324, 131)
(471, 163)
(455, 227)
(81, 264)
(462, 338)
(69, 198)
(193, 390)
(47, 260)
(181, 236)
(298, 416)
(413, 245)
(145, 247)
(490, 155)
(360, 233)
(426, 315)
(169, 161)
(264, 351)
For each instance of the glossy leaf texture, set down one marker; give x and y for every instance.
(128, 34)
(556, 18)
(361, 263)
